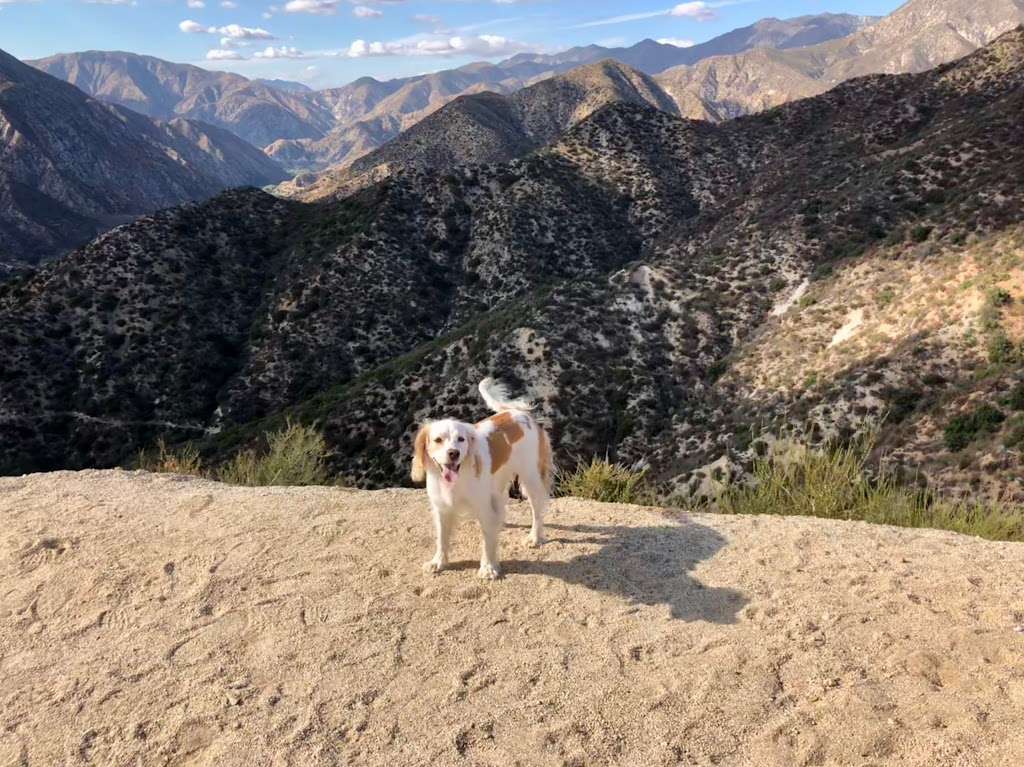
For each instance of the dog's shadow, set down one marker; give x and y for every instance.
(646, 565)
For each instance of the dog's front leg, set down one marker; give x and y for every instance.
(444, 525)
(492, 520)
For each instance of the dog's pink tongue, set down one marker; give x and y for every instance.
(449, 475)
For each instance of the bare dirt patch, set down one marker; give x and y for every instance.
(149, 619)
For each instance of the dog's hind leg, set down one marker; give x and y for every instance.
(444, 526)
(492, 520)
(537, 495)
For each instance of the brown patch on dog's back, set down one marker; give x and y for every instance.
(506, 431)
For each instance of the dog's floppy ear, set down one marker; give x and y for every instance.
(419, 454)
(474, 453)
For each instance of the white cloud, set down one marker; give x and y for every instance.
(237, 32)
(234, 32)
(282, 52)
(229, 4)
(436, 45)
(678, 42)
(427, 18)
(218, 54)
(362, 12)
(698, 10)
(195, 3)
(317, 7)
(111, 2)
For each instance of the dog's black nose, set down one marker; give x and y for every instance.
(453, 455)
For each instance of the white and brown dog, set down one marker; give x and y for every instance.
(469, 468)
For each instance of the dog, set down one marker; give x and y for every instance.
(468, 469)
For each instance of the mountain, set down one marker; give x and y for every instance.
(652, 57)
(674, 292)
(744, 71)
(71, 166)
(289, 86)
(917, 36)
(307, 130)
(488, 127)
(252, 110)
(369, 112)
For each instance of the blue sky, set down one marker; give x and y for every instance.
(331, 42)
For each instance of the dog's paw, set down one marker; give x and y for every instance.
(534, 541)
(433, 566)
(489, 572)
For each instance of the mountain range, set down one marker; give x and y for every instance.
(71, 166)
(773, 66)
(743, 71)
(916, 36)
(844, 263)
(257, 111)
(490, 127)
(306, 130)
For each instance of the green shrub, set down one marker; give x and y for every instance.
(602, 480)
(1015, 436)
(1015, 399)
(833, 484)
(964, 429)
(1000, 349)
(998, 297)
(920, 233)
(162, 460)
(295, 455)
(885, 297)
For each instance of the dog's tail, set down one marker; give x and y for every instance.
(545, 461)
(496, 397)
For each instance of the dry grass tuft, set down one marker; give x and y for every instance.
(833, 484)
(295, 455)
(602, 480)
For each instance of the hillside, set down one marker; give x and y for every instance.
(247, 626)
(71, 166)
(488, 127)
(815, 270)
(917, 36)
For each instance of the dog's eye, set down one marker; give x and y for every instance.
(462, 439)
(438, 440)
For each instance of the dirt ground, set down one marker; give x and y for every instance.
(161, 620)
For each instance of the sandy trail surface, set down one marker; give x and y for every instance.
(160, 620)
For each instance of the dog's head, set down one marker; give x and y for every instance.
(444, 447)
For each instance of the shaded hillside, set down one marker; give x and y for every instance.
(916, 36)
(644, 278)
(71, 166)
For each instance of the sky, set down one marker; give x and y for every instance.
(325, 43)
